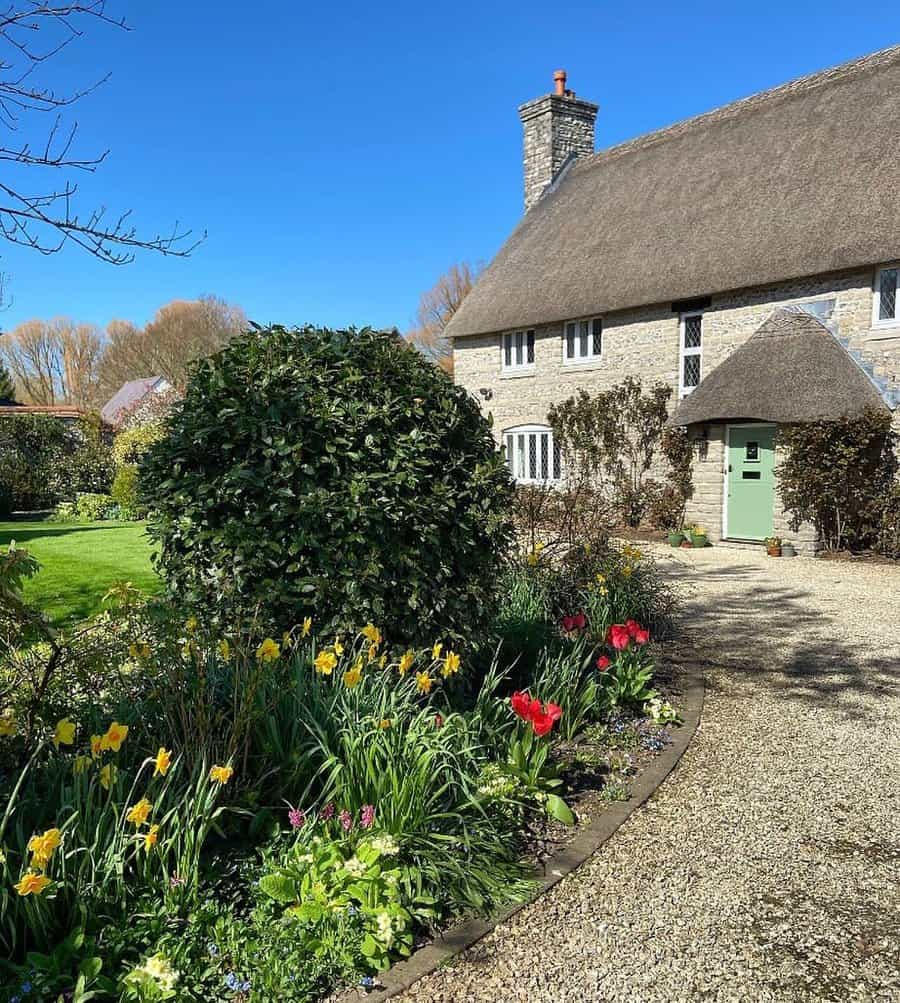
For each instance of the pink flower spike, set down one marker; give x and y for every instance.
(346, 820)
(297, 818)
(367, 816)
(327, 812)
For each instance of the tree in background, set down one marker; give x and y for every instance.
(7, 385)
(180, 332)
(45, 216)
(436, 307)
(54, 362)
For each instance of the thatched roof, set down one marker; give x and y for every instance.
(796, 181)
(792, 369)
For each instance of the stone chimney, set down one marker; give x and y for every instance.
(555, 126)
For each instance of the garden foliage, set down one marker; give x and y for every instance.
(841, 477)
(334, 472)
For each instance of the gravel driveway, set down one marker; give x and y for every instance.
(768, 866)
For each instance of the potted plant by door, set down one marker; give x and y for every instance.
(787, 549)
(686, 537)
(699, 537)
(675, 537)
(773, 546)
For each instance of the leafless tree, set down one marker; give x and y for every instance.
(180, 332)
(54, 362)
(44, 216)
(436, 307)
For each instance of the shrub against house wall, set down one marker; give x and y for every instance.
(335, 474)
(841, 477)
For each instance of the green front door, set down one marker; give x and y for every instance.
(751, 481)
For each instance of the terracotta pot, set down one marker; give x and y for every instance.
(686, 543)
(773, 551)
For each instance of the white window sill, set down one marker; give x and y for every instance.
(596, 362)
(512, 374)
(886, 328)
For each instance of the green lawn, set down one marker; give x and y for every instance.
(79, 562)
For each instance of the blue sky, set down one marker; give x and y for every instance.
(341, 156)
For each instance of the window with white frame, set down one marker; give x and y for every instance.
(691, 355)
(582, 340)
(518, 350)
(531, 454)
(887, 296)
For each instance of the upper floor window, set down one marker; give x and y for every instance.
(532, 455)
(691, 354)
(887, 296)
(583, 340)
(518, 350)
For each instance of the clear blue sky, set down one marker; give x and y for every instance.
(342, 155)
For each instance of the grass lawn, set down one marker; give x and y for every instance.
(79, 562)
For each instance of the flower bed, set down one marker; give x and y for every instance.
(277, 815)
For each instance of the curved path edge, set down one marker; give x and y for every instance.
(461, 936)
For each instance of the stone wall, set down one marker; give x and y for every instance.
(645, 342)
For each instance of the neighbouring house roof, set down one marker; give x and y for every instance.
(796, 181)
(792, 369)
(54, 410)
(128, 395)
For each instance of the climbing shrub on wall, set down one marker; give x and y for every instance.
(840, 476)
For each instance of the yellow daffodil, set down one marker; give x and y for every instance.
(423, 682)
(42, 847)
(600, 578)
(286, 640)
(108, 776)
(384, 724)
(372, 634)
(325, 662)
(626, 571)
(7, 725)
(224, 649)
(96, 745)
(221, 774)
(139, 650)
(451, 664)
(353, 675)
(436, 650)
(307, 626)
(382, 661)
(115, 735)
(191, 624)
(406, 662)
(139, 813)
(373, 652)
(338, 647)
(32, 884)
(268, 651)
(151, 837)
(188, 649)
(162, 762)
(81, 764)
(65, 733)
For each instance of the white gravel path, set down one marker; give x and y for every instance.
(767, 868)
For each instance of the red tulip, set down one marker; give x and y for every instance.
(641, 636)
(534, 709)
(580, 621)
(619, 637)
(603, 663)
(632, 626)
(438, 721)
(568, 623)
(521, 705)
(542, 724)
(553, 711)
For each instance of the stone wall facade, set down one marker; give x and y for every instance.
(645, 342)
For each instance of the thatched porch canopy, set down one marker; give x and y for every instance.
(793, 369)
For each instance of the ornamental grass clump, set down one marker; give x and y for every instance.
(335, 474)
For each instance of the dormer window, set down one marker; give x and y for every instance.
(886, 310)
(582, 340)
(518, 351)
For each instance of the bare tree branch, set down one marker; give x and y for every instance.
(436, 307)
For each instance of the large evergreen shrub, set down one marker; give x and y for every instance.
(335, 474)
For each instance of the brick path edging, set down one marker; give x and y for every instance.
(458, 938)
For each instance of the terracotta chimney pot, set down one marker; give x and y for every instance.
(559, 81)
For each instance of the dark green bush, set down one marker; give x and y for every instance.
(335, 474)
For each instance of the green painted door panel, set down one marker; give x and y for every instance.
(751, 482)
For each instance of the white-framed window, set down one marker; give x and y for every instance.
(518, 350)
(531, 454)
(582, 340)
(886, 304)
(691, 354)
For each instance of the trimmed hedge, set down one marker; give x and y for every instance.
(335, 474)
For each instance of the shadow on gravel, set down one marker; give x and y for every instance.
(775, 632)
